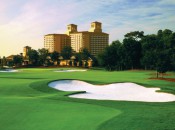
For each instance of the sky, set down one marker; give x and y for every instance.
(25, 22)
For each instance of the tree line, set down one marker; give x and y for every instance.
(139, 51)
(43, 57)
(136, 51)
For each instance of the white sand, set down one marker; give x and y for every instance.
(9, 70)
(116, 91)
(70, 70)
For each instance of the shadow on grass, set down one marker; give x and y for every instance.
(42, 86)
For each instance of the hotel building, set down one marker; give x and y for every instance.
(26, 49)
(56, 42)
(94, 40)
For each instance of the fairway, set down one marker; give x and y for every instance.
(27, 103)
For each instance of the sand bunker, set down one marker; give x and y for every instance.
(70, 70)
(8, 70)
(116, 91)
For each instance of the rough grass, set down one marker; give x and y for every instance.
(26, 102)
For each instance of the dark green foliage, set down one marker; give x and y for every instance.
(148, 60)
(136, 35)
(54, 56)
(66, 52)
(162, 62)
(85, 54)
(42, 57)
(132, 49)
(149, 45)
(70, 63)
(111, 57)
(86, 64)
(78, 57)
(95, 61)
(80, 63)
(43, 54)
(139, 51)
(17, 60)
(11, 63)
(33, 56)
(172, 58)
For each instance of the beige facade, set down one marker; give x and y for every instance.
(71, 28)
(96, 27)
(80, 40)
(56, 42)
(98, 42)
(94, 39)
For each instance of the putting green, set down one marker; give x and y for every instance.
(26, 102)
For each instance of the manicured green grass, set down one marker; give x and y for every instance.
(27, 103)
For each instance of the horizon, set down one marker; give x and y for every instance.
(24, 23)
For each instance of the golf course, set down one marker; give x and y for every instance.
(28, 103)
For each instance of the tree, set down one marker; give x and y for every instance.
(168, 39)
(110, 57)
(172, 59)
(3, 62)
(163, 51)
(155, 51)
(33, 56)
(66, 52)
(54, 56)
(17, 60)
(132, 50)
(85, 54)
(94, 61)
(172, 54)
(148, 61)
(43, 54)
(78, 58)
(162, 62)
(119, 54)
(149, 45)
(136, 35)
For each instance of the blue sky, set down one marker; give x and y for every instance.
(25, 22)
